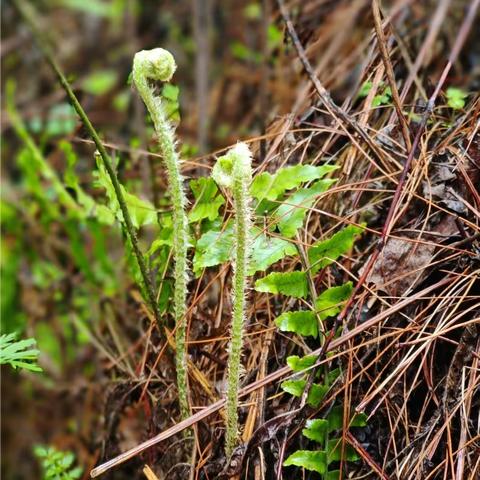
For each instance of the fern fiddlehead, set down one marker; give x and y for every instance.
(159, 65)
(234, 171)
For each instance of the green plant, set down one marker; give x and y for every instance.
(319, 430)
(382, 98)
(19, 354)
(57, 465)
(309, 323)
(159, 65)
(234, 171)
(456, 98)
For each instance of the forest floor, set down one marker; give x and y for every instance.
(390, 97)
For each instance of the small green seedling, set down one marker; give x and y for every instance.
(57, 465)
(456, 98)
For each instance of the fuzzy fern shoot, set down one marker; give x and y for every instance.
(234, 171)
(153, 66)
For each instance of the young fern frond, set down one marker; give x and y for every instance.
(234, 171)
(151, 66)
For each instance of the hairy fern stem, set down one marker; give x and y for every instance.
(159, 65)
(234, 170)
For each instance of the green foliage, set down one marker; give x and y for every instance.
(240, 51)
(141, 211)
(315, 461)
(303, 322)
(270, 187)
(290, 215)
(274, 37)
(299, 364)
(325, 252)
(61, 120)
(456, 98)
(207, 200)
(11, 251)
(334, 451)
(215, 247)
(296, 387)
(57, 465)
(19, 354)
(170, 94)
(383, 98)
(330, 301)
(112, 9)
(100, 82)
(253, 11)
(335, 419)
(267, 250)
(293, 284)
(49, 342)
(316, 430)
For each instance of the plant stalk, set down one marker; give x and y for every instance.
(159, 65)
(234, 171)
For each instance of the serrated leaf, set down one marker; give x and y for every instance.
(316, 430)
(207, 200)
(325, 252)
(334, 451)
(290, 215)
(270, 187)
(19, 354)
(213, 248)
(315, 461)
(330, 301)
(298, 364)
(266, 250)
(303, 322)
(293, 284)
(296, 388)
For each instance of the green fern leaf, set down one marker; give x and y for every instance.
(293, 284)
(330, 302)
(290, 215)
(302, 322)
(315, 461)
(270, 187)
(18, 354)
(325, 252)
